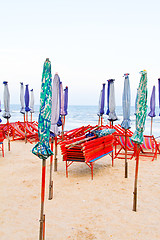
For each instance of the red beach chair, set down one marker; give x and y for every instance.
(87, 150)
(150, 147)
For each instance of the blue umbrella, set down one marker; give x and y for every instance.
(126, 114)
(101, 103)
(26, 98)
(152, 107)
(22, 98)
(141, 114)
(65, 101)
(108, 89)
(6, 113)
(112, 114)
(42, 148)
(159, 92)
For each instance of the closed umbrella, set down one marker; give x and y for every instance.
(32, 103)
(140, 124)
(55, 113)
(6, 113)
(101, 105)
(152, 107)
(108, 90)
(22, 110)
(65, 102)
(159, 92)
(42, 148)
(26, 97)
(126, 114)
(112, 114)
(62, 108)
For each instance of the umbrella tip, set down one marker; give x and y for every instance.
(126, 74)
(47, 59)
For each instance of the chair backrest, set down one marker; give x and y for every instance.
(1, 136)
(121, 140)
(148, 142)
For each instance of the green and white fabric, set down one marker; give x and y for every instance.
(141, 109)
(42, 148)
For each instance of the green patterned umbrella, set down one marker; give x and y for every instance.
(42, 148)
(141, 113)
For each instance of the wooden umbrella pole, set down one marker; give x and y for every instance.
(27, 116)
(101, 120)
(51, 166)
(62, 126)
(42, 216)
(8, 135)
(126, 163)
(55, 154)
(151, 125)
(25, 129)
(136, 179)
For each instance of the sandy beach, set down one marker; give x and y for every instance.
(81, 208)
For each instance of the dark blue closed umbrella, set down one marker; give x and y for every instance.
(152, 107)
(126, 102)
(26, 98)
(65, 100)
(108, 89)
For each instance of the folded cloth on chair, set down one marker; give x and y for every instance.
(103, 132)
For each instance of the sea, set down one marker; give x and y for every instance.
(83, 115)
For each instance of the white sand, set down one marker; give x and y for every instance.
(81, 208)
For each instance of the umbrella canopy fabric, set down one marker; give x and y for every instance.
(32, 102)
(26, 97)
(141, 112)
(22, 98)
(101, 101)
(62, 100)
(65, 100)
(126, 103)
(159, 92)
(108, 90)
(112, 113)
(42, 148)
(152, 104)
(55, 105)
(6, 96)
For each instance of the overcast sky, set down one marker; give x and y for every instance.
(87, 42)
